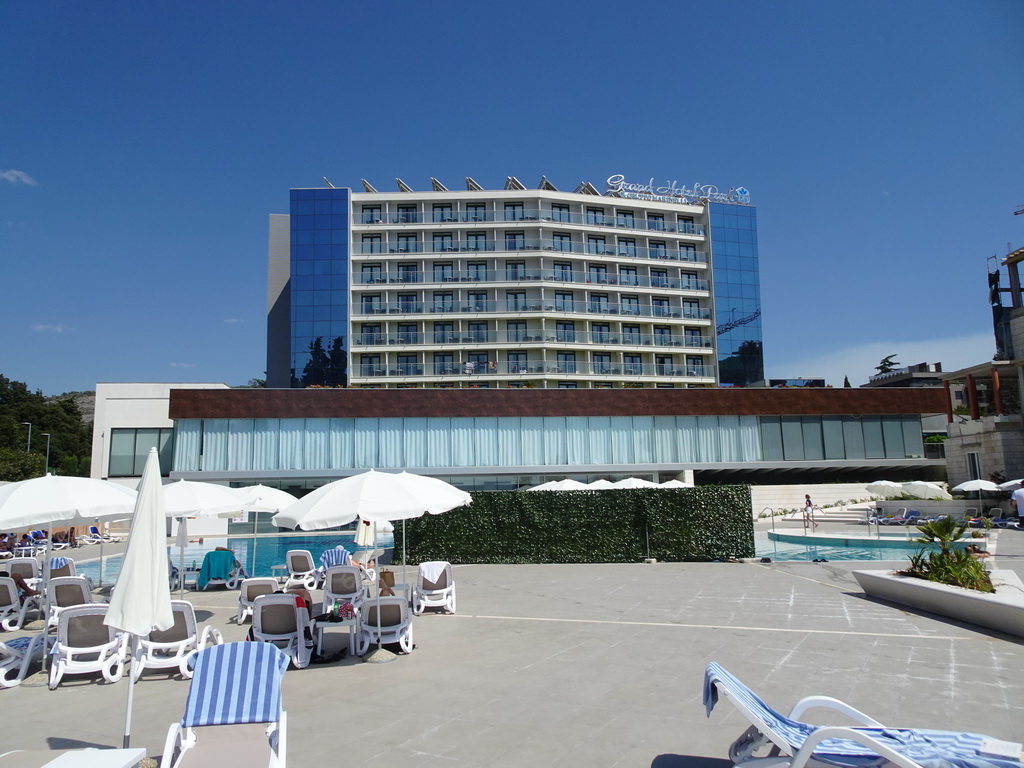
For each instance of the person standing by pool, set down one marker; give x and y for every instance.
(809, 510)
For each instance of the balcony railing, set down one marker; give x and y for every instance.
(578, 277)
(547, 306)
(544, 245)
(526, 216)
(536, 336)
(535, 367)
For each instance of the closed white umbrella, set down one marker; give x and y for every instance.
(925, 490)
(141, 601)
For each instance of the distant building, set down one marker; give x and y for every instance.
(920, 375)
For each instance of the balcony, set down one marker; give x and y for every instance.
(577, 277)
(467, 246)
(535, 367)
(548, 306)
(533, 215)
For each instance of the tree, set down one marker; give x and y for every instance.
(888, 365)
(326, 368)
(846, 381)
(18, 465)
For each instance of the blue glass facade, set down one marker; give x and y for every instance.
(319, 287)
(737, 294)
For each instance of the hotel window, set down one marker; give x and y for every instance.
(689, 281)
(479, 361)
(443, 302)
(371, 273)
(695, 366)
(407, 303)
(563, 271)
(407, 244)
(563, 301)
(516, 300)
(443, 213)
(595, 244)
(693, 338)
(659, 307)
(408, 273)
(566, 362)
(568, 384)
(627, 276)
(659, 278)
(444, 272)
(372, 244)
(603, 385)
(625, 219)
(597, 273)
(371, 334)
(516, 331)
(444, 333)
(370, 365)
(407, 214)
(687, 252)
(657, 249)
(656, 222)
(476, 270)
(627, 247)
(686, 224)
(476, 212)
(476, 241)
(599, 303)
(515, 270)
(595, 215)
(517, 362)
(372, 215)
(662, 335)
(514, 212)
(407, 365)
(691, 310)
(371, 304)
(630, 305)
(443, 242)
(407, 334)
(444, 363)
(477, 301)
(562, 242)
(631, 334)
(478, 332)
(631, 364)
(515, 241)
(565, 331)
(602, 363)
(599, 332)
(130, 447)
(560, 212)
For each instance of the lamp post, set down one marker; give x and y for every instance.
(28, 446)
(46, 471)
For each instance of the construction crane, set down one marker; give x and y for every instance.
(737, 323)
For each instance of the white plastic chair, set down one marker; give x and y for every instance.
(65, 592)
(302, 571)
(172, 648)
(281, 620)
(344, 583)
(395, 623)
(26, 567)
(15, 656)
(434, 587)
(85, 644)
(10, 605)
(249, 591)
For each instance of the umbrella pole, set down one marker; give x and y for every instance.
(101, 561)
(405, 560)
(46, 601)
(381, 655)
(181, 560)
(252, 570)
(131, 692)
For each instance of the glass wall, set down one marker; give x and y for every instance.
(737, 294)
(319, 287)
(130, 447)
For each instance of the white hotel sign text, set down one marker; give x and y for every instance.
(698, 194)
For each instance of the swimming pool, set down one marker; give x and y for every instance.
(784, 546)
(269, 551)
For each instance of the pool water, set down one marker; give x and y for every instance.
(838, 549)
(269, 551)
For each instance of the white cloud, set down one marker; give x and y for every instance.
(858, 362)
(15, 177)
(183, 365)
(44, 328)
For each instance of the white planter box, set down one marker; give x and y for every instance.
(1002, 610)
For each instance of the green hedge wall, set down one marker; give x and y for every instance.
(611, 526)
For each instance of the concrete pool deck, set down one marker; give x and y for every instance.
(597, 665)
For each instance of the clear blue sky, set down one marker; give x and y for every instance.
(143, 145)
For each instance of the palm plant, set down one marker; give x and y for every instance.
(949, 564)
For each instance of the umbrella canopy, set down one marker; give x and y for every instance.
(676, 484)
(971, 486)
(560, 485)
(885, 488)
(925, 490)
(1012, 485)
(265, 499)
(371, 496)
(187, 498)
(53, 499)
(635, 482)
(600, 485)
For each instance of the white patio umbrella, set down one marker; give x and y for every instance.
(568, 484)
(635, 482)
(1012, 485)
(885, 488)
(374, 497)
(600, 485)
(263, 499)
(925, 490)
(141, 601)
(972, 486)
(676, 484)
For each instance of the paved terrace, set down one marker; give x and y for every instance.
(591, 665)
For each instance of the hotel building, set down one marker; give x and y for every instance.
(637, 286)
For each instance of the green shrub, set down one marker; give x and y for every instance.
(948, 565)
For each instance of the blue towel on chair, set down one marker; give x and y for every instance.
(57, 562)
(216, 565)
(332, 557)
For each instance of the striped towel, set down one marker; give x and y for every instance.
(332, 557)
